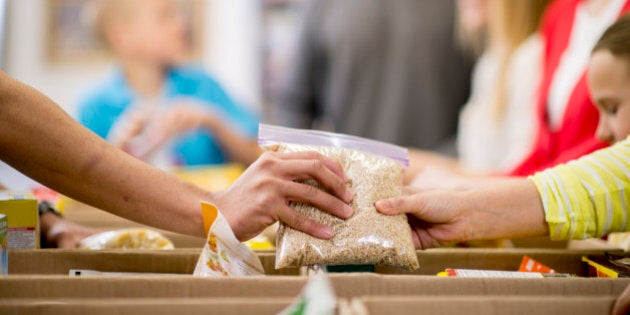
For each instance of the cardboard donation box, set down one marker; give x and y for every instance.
(160, 282)
(182, 261)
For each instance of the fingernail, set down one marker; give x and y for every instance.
(348, 211)
(381, 205)
(328, 232)
(348, 196)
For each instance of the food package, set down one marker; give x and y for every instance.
(136, 238)
(223, 255)
(4, 245)
(22, 219)
(368, 237)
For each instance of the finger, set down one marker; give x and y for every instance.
(318, 198)
(390, 206)
(300, 222)
(315, 169)
(410, 204)
(331, 164)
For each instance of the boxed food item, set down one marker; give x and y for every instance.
(4, 248)
(22, 219)
(366, 238)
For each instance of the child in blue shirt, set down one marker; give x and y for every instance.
(153, 107)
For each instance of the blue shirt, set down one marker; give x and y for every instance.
(101, 107)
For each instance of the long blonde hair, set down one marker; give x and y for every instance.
(510, 23)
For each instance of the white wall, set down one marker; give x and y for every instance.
(231, 52)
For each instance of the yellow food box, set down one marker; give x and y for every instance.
(4, 258)
(22, 221)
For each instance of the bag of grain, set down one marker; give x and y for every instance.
(368, 237)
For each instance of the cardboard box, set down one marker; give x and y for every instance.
(4, 247)
(345, 286)
(358, 306)
(446, 305)
(95, 306)
(23, 222)
(58, 261)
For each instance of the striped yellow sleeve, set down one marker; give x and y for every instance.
(587, 197)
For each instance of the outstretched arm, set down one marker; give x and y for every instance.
(38, 138)
(507, 209)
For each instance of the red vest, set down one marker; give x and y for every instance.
(576, 135)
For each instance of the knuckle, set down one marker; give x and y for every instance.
(310, 191)
(317, 166)
(267, 160)
(298, 221)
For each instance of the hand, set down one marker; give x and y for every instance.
(181, 118)
(143, 133)
(436, 217)
(262, 194)
(127, 128)
(505, 208)
(61, 233)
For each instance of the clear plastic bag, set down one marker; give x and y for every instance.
(368, 237)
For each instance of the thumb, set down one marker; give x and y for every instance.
(389, 206)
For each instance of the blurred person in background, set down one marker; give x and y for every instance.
(497, 125)
(154, 106)
(566, 117)
(386, 70)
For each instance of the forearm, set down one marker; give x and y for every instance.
(507, 209)
(237, 147)
(41, 140)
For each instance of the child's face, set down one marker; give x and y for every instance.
(157, 31)
(609, 85)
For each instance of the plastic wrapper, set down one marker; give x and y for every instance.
(138, 238)
(368, 237)
(223, 255)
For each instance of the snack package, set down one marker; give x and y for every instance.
(368, 237)
(223, 255)
(136, 238)
(529, 264)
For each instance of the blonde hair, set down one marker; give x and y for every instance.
(510, 23)
(108, 13)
